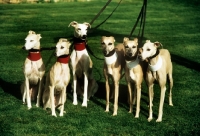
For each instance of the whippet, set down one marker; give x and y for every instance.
(133, 73)
(34, 70)
(81, 63)
(113, 66)
(58, 79)
(160, 66)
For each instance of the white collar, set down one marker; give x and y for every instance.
(111, 59)
(157, 66)
(132, 64)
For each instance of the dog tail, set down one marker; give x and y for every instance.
(58, 106)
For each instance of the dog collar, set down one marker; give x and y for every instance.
(157, 66)
(157, 52)
(111, 59)
(79, 44)
(132, 64)
(34, 56)
(63, 59)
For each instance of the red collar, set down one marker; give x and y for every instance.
(63, 59)
(34, 56)
(79, 46)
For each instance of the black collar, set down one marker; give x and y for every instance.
(128, 58)
(78, 40)
(110, 53)
(34, 50)
(156, 54)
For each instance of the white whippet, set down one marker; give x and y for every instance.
(82, 63)
(160, 66)
(34, 70)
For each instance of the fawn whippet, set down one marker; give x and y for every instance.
(113, 66)
(160, 66)
(58, 79)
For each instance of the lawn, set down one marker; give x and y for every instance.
(174, 23)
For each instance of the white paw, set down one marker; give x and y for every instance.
(75, 102)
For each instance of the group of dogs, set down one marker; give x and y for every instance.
(148, 62)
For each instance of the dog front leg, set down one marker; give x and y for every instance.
(75, 102)
(130, 97)
(116, 97)
(28, 99)
(84, 104)
(51, 88)
(107, 94)
(39, 93)
(138, 101)
(150, 102)
(162, 98)
(63, 95)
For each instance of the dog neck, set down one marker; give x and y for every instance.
(63, 59)
(157, 66)
(79, 44)
(131, 62)
(34, 55)
(111, 57)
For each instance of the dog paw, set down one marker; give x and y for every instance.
(149, 119)
(130, 111)
(159, 120)
(84, 104)
(37, 105)
(136, 116)
(54, 115)
(75, 102)
(171, 104)
(29, 107)
(114, 114)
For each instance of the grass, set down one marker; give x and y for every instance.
(174, 24)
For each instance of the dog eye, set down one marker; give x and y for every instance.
(126, 46)
(102, 43)
(109, 43)
(148, 49)
(79, 29)
(31, 40)
(61, 47)
(134, 47)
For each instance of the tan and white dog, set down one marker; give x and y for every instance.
(58, 79)
(34, 70)
(160, 67)
(113, 66)
(82, 64)
(133, 73)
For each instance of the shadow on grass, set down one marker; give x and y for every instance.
(10, 88)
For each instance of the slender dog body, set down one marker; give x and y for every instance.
(82, 64)
(58, 79)
(34, 70)
(113, 66)
(133, 73)
(160, 66)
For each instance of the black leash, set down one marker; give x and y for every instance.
(142, 18)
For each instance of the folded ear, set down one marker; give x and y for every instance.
(126, 39)
(73, 23)
(63, 40)
(136, 40)
(113, 38)
(87, 24)
(39, 36)
(157, 44)
(148, 41)
(31, 32)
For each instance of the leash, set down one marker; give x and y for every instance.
(142, 18)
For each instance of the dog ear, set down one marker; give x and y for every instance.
(136, 40)
(88, 25)
(73, 23)
(157, 44)
(31, 32)
(113, 38)
(126, 39)
(148, 41)
(39, 36)
(63, 40)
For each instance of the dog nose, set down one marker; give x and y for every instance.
(84, 36)
(130, 54)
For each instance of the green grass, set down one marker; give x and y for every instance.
(173, 23)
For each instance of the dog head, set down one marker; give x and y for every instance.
(62, 47)
(148, 49)
(130, 46)
(32, 41)
(107, 44)
(80, 30)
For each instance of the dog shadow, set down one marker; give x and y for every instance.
(10, 88)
